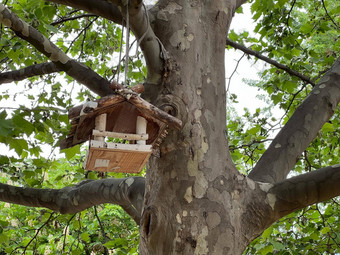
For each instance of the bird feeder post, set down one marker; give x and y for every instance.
(141, 128)
(100, 125)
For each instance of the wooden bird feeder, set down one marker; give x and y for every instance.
(122, 129)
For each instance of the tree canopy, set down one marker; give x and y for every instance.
(298, 41)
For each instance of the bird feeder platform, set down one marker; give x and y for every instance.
(122, 129)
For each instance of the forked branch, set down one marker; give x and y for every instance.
(127, 192)
(300, 130)
(79, 72)
(139, 23)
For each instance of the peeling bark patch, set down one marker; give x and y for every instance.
(171, 8)
(322, 86)
(198, 114)
(277, 146)
(192, 167)
(265, 186)
(4, 21)
(250, 183)
(316, 92)
(181, 40)
(188, 195)
(56, 54)
(202, 244)
(324, 79)
(308, 119)
(25, 30)
(226, 10)
(75, 201)
(129, 181)
(201, 185)
(271, 199)
(240, 177)
(178, 218)
(213, 219)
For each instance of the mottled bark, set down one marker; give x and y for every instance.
(303, 190)
(194, 192)
(128, 193)
(300, 130)
(80, 72)
(30, 71)
(196, 202)
(139, 23)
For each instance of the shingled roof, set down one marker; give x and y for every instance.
(122, 110)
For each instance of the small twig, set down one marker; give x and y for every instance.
(100, 224)
(324, 6)
(231, 76)
(37, 232)
(270, 61)
(84, 29)
(249, 144)
(72, 18)
(65, 234)
(289, 12)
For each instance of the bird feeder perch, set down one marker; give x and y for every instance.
(123, 130)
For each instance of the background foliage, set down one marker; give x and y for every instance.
(302, 34)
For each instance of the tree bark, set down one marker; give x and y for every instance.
(300, 130)
(128, 193)
(196, 202)
(194, 192)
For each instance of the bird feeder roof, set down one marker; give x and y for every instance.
(122, 111)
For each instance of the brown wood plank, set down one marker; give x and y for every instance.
(109, 160)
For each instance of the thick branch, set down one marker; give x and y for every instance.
(81, 73)
(127, 192)
(138, 22)
(303, 190)
(101, 8)
(300, 130)
(34, 70)
(151, 46)
(270, 61)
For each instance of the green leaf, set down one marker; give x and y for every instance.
(23, 124)
(306, 28)
(325, 230)
(51, 28)
(328, 127)
(71, 152)
(85, 236)
(3, 238)
(267, 232)
(5, 127)
(266, 250)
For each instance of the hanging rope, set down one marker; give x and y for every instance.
(127, 44)
(120, 51)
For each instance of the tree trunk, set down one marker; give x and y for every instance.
(195, 197)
